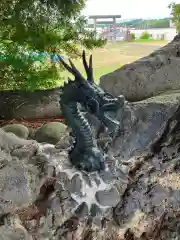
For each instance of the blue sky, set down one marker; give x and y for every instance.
(130, 8)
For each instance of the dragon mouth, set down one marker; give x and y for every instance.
(112, 125)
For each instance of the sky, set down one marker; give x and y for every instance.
(129, 9)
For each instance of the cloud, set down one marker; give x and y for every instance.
(129, 8)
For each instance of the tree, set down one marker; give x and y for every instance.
(151, 23)
(52, 26)
(175, 12)
(133, 36)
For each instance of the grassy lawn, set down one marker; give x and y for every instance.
(148, 41)
(115, 55)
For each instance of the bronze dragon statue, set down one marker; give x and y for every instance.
(81, 93)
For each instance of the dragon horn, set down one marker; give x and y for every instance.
(72, 69)
(89, 69)
(85, 62)
(67, 67)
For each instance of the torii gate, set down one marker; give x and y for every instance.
(113, 21)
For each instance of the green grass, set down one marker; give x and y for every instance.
(99, 71)
(147, 40)
(115, 55)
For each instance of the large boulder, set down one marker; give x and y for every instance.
(147, 76)
(140, 123)
(51, 132)
(14, 185)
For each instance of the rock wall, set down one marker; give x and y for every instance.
(38, 104)
(148, 76)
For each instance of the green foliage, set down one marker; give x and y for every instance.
(175, 12)
(20, 70)
(152, 23)
(133, 36)
(140, 23)
(54, 26)
(145, 36)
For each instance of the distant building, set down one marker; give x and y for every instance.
(110, 20)
(121, 34)
(167, 34)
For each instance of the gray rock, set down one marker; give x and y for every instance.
(95, 210)
(107, 176)
(50, 132)
(58, 187)
(97, 221)
(9, 141)
(108, 198)
(65, 142)
(38, 160)
(14, 186)
(18, 129)
(141, 123)
(147, 76)
(63, 178)
(4, 159)
(76, 184)
(82, 210)
(65, 195)
(26, 152)
(19, 233)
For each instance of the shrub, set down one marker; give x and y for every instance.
(133, 36)
(21, 70)
(145, 36)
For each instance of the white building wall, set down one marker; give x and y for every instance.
(172, 25)
(169, 33)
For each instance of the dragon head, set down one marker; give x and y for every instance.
(94, 99)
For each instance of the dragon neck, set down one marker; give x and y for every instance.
(81, 129)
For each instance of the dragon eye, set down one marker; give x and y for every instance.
(93, 106)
